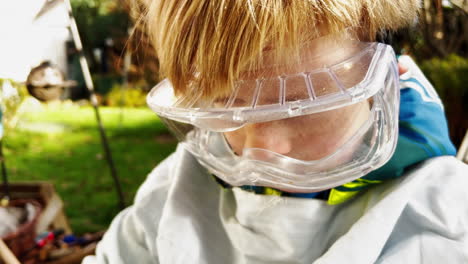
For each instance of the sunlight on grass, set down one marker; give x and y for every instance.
(70, 155)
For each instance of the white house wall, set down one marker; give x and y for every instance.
(26, 42)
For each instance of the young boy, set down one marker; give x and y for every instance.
(298, 144)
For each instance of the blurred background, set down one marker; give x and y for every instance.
(56, 138)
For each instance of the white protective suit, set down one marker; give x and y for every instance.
(181, 215)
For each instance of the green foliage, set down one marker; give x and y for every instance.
(102, 6)
(116, 94)
(98, 20)
(11, 100)
(126, 96)
(449, 75)
(450, 78)
(96, 23)
(72, 157)
(103, 83)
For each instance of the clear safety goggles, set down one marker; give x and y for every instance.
(307, 131)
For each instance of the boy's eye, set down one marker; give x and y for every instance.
(293, 98)
(222, 102)
(239, 102)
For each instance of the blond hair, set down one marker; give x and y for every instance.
(204, 45)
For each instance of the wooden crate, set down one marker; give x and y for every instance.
(53, 216)
(6, 256)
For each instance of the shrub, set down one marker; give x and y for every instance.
(450, 78)
(103, 83)
(126, 96)
(12, 95)
(448, 75)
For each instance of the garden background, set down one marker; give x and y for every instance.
(59, 141)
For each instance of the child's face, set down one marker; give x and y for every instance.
(304, 127)
(309, 137)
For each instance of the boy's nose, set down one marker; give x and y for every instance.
(271, 136)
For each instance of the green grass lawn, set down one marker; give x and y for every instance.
(60, 143)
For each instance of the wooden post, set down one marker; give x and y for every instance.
(6, 255)
(463, 150)
(94, 102)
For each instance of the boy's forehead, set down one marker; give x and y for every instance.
(295, 78)
(306, 57)
(278, 74)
